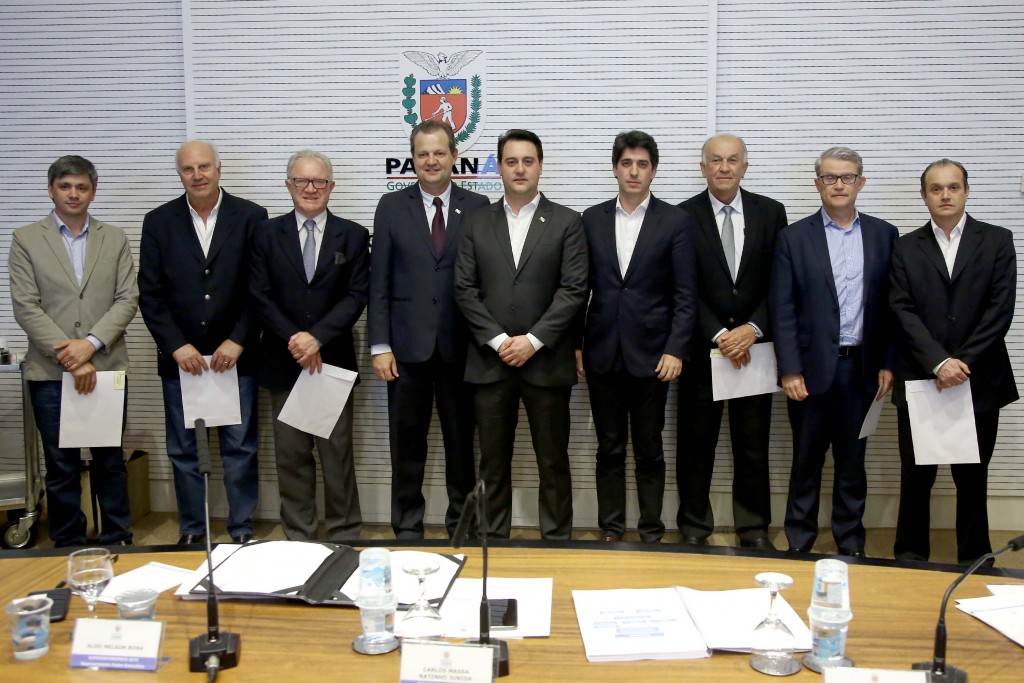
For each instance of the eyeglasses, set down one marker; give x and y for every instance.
(847, 178)
(318, 183)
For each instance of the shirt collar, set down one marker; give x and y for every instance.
(216, 207)
(642, 205)
(64, 229)
(829, 223)
(429, 198)
(320, 220)
(529, 206)
(957, 230)
(717, 204)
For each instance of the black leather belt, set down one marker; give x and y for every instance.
(849, 351)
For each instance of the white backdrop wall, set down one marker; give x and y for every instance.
(901, 82)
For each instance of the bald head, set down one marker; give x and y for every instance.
(198, 166)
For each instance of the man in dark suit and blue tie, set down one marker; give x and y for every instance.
(954, 285)
(417, 334)
(637, 331)
(829, 311)
(194, 297)
(734, 237)
(520, 280)
(309, 282)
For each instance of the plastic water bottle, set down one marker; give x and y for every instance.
(376, 602)
(828, 637)
(831, 585)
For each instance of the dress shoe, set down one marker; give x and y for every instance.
(241, 539)
(610, 537)
(694, 540)
(859, 554)
(757, 543)
(125, 541)
(192, 539)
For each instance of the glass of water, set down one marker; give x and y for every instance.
(89, 572)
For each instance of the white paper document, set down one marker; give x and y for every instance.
(461, 609)
(211, 396)
(93, 419)
(727, 619)
(1003, 612)
(155, 575)
(759, 376)
(1006, 589)
(871, 419)
(942, 424)
(316, 401)
(626, 625)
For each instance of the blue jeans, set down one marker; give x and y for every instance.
(238, 448)
(108, 477)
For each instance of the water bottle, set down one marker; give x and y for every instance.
(828, 638)
(376, 602)
(831, 585)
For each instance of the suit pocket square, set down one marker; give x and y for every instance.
(339, 258)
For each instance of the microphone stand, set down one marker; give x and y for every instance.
(939, 671)
(478, 495)
(216, 650)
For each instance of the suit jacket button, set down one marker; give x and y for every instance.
(78, 324)
(735, 291)
(952, 318)
(731, 320)
(82, 295)
(206, 272)
(436, 269)
(207, 297)
(202, 324)
(433, 301)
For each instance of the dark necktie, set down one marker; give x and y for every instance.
(437, 228)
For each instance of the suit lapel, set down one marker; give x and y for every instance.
(932, 253)
(645, 239)
(751, 232)
(970, 241)
(705, 216)
(56, 242)
(226, 224)
(537, 227)
(819, 247)
(93, 247)
(453, 227)
(331, 244)
(291, 246)
(606, 236)
(499, 223)
(187, 231)
(418, 217)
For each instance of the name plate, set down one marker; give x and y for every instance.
(116, 644)
(426, 661)
(844, 674)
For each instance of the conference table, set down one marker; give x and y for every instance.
(894, 614)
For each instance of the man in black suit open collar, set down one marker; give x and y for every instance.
(637, 332)
(732, 315)
(954, 285)
(520, 279)
(417, 334)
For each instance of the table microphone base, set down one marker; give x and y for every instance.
(501, 653)
(227, 648)
(952, 675)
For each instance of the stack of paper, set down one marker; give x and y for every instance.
(1003, 611)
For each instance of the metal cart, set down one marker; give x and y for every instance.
(21, 492)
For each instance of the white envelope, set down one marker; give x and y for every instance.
(211, 396)
(759, 376)
(316, 401)
(93, 419)
(942, 424)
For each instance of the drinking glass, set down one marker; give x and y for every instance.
(89, 572)
(422, 620)
(771, 644)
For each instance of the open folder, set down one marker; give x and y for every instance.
(316, 573)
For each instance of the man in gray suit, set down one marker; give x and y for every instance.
(520, 279)
(74, 293)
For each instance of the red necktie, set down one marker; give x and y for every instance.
(437, 228)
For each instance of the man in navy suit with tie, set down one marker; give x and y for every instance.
(643, 307)
(309, 282)
(954, 285)
(829, 311)
(194, 296)
(734, 236)
(417, 335)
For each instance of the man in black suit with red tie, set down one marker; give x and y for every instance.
(954, 285)
(733, 241)
(309, 283)
(637, 331)
(417, 335)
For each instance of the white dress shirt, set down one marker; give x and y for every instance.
(204, 229)
(318, 234)
(627, 230)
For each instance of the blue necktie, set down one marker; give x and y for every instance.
(309, 250)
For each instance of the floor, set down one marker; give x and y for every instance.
(161, 528)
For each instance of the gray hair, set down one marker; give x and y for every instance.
(71, 165)
(310, 154)
(213, 148)
(737, 138)
(840, 154)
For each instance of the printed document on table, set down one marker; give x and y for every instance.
(942, 423)
(631, 624)
(461, 609)
(155, 575)
(1003, 612)
(726, 619)
(759, 376)
(316, 400)
(211, 396)
(93, 419)
(871, 419)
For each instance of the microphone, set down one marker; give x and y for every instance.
(215, 650)
(940, 672)
(479, 496)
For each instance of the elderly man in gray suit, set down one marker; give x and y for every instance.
(74, 293)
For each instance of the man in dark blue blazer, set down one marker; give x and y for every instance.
(417, 334)
(310, 277)
(194, 296)
(637, 331)
(732, 316)
(828, 306)
(953, 290)
(520, 280)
